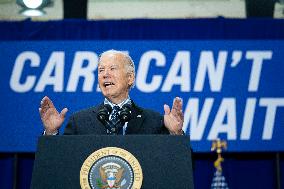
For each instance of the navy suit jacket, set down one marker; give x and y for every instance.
(85, 122)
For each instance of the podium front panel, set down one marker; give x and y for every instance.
(165, 160)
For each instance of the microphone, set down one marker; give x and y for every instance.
(103, 117)
(124, 116)
(104, 112)
(125, 113)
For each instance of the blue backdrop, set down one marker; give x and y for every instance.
(231, 89)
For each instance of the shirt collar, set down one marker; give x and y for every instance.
(125, 101)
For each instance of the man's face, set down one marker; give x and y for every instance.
(114, 81)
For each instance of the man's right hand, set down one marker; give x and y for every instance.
(51, 119)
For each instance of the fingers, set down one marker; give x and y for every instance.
(177, 110)
(46, 102)
(63, 113)
(174, 118)
(44, 106)
(177, 107)
(177, 104)
(167, 109)
(40, 112)
(47, 108)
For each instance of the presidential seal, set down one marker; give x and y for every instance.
(111, 168)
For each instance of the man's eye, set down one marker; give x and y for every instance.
(101, 70)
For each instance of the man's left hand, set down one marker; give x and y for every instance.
(173, 118)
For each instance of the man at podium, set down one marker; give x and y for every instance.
(118, 114)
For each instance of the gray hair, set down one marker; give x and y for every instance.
(128, 60)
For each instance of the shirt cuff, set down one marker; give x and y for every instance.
(53, 134)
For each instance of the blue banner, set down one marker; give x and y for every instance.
(231, 90)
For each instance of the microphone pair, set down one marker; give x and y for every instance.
(124, 116)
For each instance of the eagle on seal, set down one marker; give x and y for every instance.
(111, 178)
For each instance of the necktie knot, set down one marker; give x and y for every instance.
(116, 109)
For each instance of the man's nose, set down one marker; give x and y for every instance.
(106, 73)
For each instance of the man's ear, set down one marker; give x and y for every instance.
(131, 79)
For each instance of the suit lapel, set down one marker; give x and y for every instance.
(136, 121)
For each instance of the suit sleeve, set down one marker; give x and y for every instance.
(70, 128)
(164, 130)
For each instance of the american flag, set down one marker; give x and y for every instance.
(219, 181)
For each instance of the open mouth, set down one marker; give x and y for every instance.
(108, 84)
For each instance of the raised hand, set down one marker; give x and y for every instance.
(173, 119)
(51, 119)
